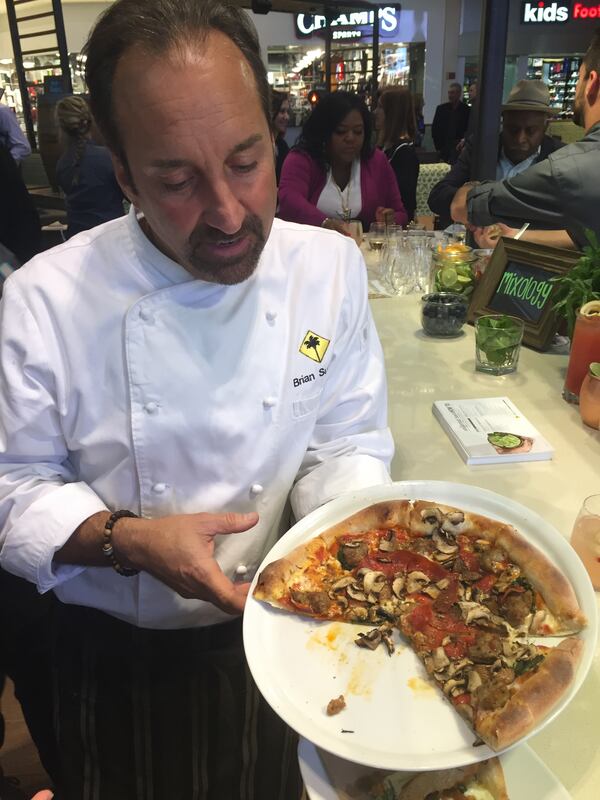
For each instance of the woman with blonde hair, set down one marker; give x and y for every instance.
(85, 171)
(396, 129)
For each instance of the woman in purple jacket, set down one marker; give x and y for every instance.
(334, 175)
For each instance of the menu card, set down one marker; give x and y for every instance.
(491, 430)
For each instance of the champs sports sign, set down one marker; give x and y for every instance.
(549, 12)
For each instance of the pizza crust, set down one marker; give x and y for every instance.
(533, 699)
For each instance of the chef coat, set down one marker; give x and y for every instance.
(127, 383)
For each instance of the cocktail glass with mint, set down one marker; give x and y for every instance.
(498, 343)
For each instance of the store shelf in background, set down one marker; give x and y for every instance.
(560, 73)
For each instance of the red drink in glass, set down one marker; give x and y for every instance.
(585, 348)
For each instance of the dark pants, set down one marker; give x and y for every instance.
(25, 645)
(164, 715)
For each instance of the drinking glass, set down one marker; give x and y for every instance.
(498, 343)
(376, 236)
(585, 348)
(356, 230)
(398, 266)
(585, 537)
(589, 397)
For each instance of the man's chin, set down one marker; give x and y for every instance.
(227, 272)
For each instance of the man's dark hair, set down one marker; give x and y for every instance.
(157, 26)
(325, 118)
(591, 60)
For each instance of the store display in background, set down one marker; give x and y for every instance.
(560, 73)
(300, 69)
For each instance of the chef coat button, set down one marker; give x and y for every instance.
(159, 488)
(271, 315)
(241, 570)
(269, 402)
(256, 488)
(146, 315)
(151, 407)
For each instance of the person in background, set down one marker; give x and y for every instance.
(396, 130)
(158, 421)
(523, 142)
(334, 175)
(280, 114)
(472, 93)
(420, 119)
(85, 171)
(450, 124)
(472, 126)
(560, 192)
(11, 135)
(19, 221)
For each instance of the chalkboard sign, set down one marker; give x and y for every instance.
(518, 281)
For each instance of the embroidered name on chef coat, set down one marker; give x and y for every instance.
(314, 346)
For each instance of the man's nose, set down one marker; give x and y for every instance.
(222, 210)
(522, 137)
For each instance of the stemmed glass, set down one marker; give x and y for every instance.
(585, 537)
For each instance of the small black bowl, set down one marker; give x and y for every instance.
(443, 313)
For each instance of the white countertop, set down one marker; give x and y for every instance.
(422, 369)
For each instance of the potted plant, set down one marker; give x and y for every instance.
(576, 300)
(580, 284)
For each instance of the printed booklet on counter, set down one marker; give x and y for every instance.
(491, 430)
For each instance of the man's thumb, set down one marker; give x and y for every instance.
(232, 522)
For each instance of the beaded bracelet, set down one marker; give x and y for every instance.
(107, 548)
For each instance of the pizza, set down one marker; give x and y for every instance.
(481, 781)
(469, 594)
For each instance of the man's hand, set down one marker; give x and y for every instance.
(458, 207)
(489, 236)
(337, 225)
(385, 216)
(179, 551)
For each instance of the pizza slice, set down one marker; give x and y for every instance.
(501, 574)
(481, 781)
(347, 572)
(502, 685)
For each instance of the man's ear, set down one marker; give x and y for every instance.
(592, 88)
(124, 179)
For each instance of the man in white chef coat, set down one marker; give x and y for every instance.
(197, 364)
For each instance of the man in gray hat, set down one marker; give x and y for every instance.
(560, 193)
(523, 141)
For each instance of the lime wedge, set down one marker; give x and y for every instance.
(448, 276)
(590, 309)
(464, 278)
(595, 369)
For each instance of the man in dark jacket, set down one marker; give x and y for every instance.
(523, 142)
(450, 123)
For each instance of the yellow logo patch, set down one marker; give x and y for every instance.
(314, 346)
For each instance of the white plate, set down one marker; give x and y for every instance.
(394, 718)
(527, 777)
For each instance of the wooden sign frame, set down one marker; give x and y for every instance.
(550, 259)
